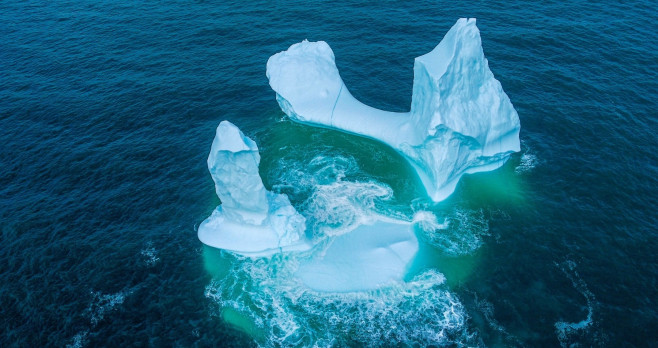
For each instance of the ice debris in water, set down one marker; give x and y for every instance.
(461, 121)
(251, 220)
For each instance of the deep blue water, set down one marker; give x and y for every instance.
(108, 110)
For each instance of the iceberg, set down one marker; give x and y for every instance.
(460, 121)
(251, 220)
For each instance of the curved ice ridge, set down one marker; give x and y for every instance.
(461, 121)
(251, 220)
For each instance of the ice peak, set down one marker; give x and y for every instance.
(230, 138)
(251, 220)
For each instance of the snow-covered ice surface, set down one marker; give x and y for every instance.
(461, 121)
(251, 220)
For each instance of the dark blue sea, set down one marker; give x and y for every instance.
(108, 110)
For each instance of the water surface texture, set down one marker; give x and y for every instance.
(108, 110)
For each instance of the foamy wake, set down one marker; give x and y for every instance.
(150, 255)
(420, 312)
(528, 160)
(100, 305)
(79, 340)
(486, 309)
(334, 196)
(459, 233)
(568, 333)
(331, 203)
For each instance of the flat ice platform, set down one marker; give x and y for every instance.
(370, 257)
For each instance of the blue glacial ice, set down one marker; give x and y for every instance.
(251, 220)
(461, 121)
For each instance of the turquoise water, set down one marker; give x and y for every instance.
(108, 110)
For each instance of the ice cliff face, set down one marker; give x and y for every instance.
(461, 121)
(251, 220)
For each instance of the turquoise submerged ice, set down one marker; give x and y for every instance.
(376, 254)
(461, 121)
(251, 220)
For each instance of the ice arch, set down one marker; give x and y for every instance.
(461, 121)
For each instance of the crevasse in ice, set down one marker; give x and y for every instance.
(251, 220)
(461, 121)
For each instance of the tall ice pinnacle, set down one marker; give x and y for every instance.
(461, 121)
(251, 220)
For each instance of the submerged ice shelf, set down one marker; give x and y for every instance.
(461, 121)
(251, 220)
(373, 255)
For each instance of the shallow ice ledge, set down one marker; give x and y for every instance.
(375, 254)
(461, 121)
(251, 220)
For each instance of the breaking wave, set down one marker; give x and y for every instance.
(264, 298)
(527, 162)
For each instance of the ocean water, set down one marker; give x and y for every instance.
(108, 110)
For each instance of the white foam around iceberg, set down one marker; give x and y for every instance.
(251, 220)
(461, 121)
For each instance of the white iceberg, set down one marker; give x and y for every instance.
(461, 121)
(251, 220)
